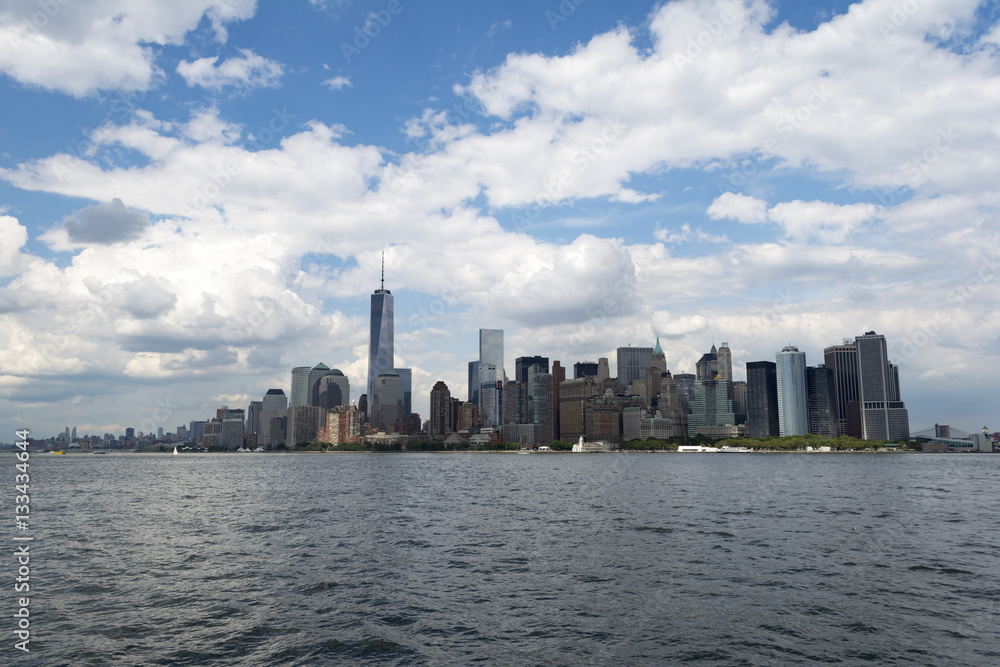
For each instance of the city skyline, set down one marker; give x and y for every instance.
(190, 211)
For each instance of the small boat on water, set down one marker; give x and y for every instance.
(58, 453)
(175, 451)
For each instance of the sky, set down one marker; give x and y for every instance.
(196, 196)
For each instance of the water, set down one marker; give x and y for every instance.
(546, 559)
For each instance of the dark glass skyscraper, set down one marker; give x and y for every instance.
(843, 361)
(762, 399)
(381, 358)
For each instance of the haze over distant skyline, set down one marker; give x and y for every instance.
(195, 196)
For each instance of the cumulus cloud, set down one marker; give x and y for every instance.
(738, 207)
(83, 47)
(801, 220)
(105, 223)
(249, 71)
(13, 236)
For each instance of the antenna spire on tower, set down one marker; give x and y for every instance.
(383, 270)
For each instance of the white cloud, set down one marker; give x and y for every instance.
(801, 220)
(738, 207)
(13, 237)
(82, 47)
(685, 235)
(249, 71)
(337, 82)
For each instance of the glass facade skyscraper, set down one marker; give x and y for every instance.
(632, 364)
(793, 405)
(883, 414)
(381, 358)
(762, 400)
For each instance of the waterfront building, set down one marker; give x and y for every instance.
(603, 421)
(468, 416)
(558, 377)
(632, 364)
(381, 354)
(273, 418)
(491, 402)
(300, 386)
(387, 401)
(793, 407)
(762, 400)
(253, 422)
(573, 396)
(343, 426)
(440, 406)
(843, 361)
(883, 414)
(231, 435)
(305, 424)
(740, 401)
(712, 405)
(820, 397)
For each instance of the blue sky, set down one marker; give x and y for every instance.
(195, 196)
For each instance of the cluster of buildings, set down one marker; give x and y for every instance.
(855, 392)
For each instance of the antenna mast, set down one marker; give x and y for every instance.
(383, 270)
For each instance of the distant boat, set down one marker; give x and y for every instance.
(101, 452)
(260, 449)
(175, 451)
(60, 452)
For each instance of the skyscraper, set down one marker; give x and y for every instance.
(474, 383)
(273, 418)
(603, 372)
(440, 417)
(883, 414)
(843, 361)
(793, 407)
(318, 372)
(820, 392)
(406, 378)
(725, 358)
(491, 354)
(387, 401)
(333, 390)
(708, 366)
(381, 358)
(762, 400)
(632, 364)
(300, 386)
(522, 367)
(582, 369)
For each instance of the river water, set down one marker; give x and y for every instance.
(540, 559)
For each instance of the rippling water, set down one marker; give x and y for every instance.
(545, 559)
